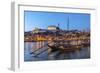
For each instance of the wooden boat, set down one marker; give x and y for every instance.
(64, 48)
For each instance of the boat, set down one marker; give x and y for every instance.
(64, 48)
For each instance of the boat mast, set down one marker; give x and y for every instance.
(68, 42)
(68, 24)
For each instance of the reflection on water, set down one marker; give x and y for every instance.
(44, 54)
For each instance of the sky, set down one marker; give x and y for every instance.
(37, 19)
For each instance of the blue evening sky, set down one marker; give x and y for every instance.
(37, 19)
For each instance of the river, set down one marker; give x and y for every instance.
(43, 53)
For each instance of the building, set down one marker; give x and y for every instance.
(53, 27)
(37, 30)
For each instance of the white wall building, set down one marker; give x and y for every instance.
(52, 28)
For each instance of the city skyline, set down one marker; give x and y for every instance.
(39, 19)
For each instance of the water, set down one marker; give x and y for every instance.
(44, 54)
